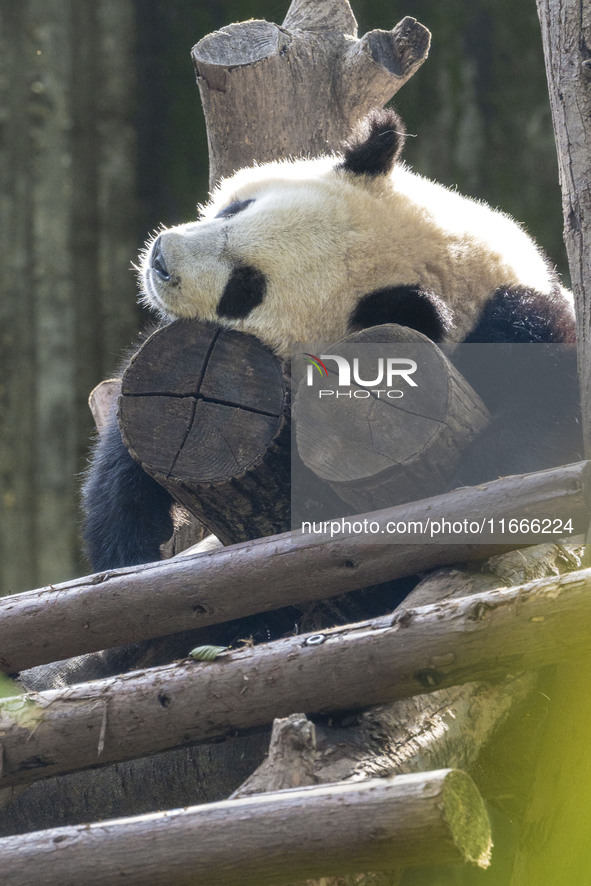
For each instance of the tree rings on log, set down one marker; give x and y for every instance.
(375, 450)
(205, 411)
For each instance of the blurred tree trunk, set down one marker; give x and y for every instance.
(66, 291)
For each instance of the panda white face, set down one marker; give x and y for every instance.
(270, 256)
(311, 249)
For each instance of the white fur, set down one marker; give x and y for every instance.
(323, 238)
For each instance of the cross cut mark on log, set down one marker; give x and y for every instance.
(205, 377)
(206, 412)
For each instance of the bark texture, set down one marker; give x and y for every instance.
(190, 592)
(271, 92)
(554, 844)
(335, 829)
(397, 656)
(566, 34)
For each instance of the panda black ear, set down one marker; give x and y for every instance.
(376, 145)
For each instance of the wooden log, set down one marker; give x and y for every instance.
(483, 637)
(375, 450)
(267, 91)
(335, 829)
(206, 412)
(446, 728)
(139, 603)
(452, 727)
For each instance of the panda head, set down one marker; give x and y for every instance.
(295, 251)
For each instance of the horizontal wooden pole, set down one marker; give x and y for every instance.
(429, 818)
(479, 637)
(128, 605)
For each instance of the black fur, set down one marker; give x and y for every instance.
(127, 513)
(406, 305)
(244, 290)
(521, 359)
(157, 261)
(376, 145)
(233, 208)
(518, 314)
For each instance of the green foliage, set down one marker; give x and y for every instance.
(16, 707)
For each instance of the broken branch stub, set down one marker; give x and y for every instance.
(311, 80)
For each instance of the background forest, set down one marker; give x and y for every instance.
(102, 139)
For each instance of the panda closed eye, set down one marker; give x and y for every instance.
(233, 208)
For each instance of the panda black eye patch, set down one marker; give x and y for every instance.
(244, 290)
(233, 208)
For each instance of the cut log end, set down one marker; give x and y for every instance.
(373, 450)
(298, 72)
(205, 411)
(334, 830)
(413, 41)
(310, 15)
(399, 51)
(237, 45)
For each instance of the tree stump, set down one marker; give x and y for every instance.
(206, 412)
(270, 92)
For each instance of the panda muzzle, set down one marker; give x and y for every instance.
(157, 262)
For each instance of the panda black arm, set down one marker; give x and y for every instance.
(126, 512)
(532, 392)
(518, 315)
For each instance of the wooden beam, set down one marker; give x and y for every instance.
(482, 637)
(432, 817)
(139, 603)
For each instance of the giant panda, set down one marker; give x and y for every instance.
(313, 249)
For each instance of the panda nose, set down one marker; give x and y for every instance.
(157, 262)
